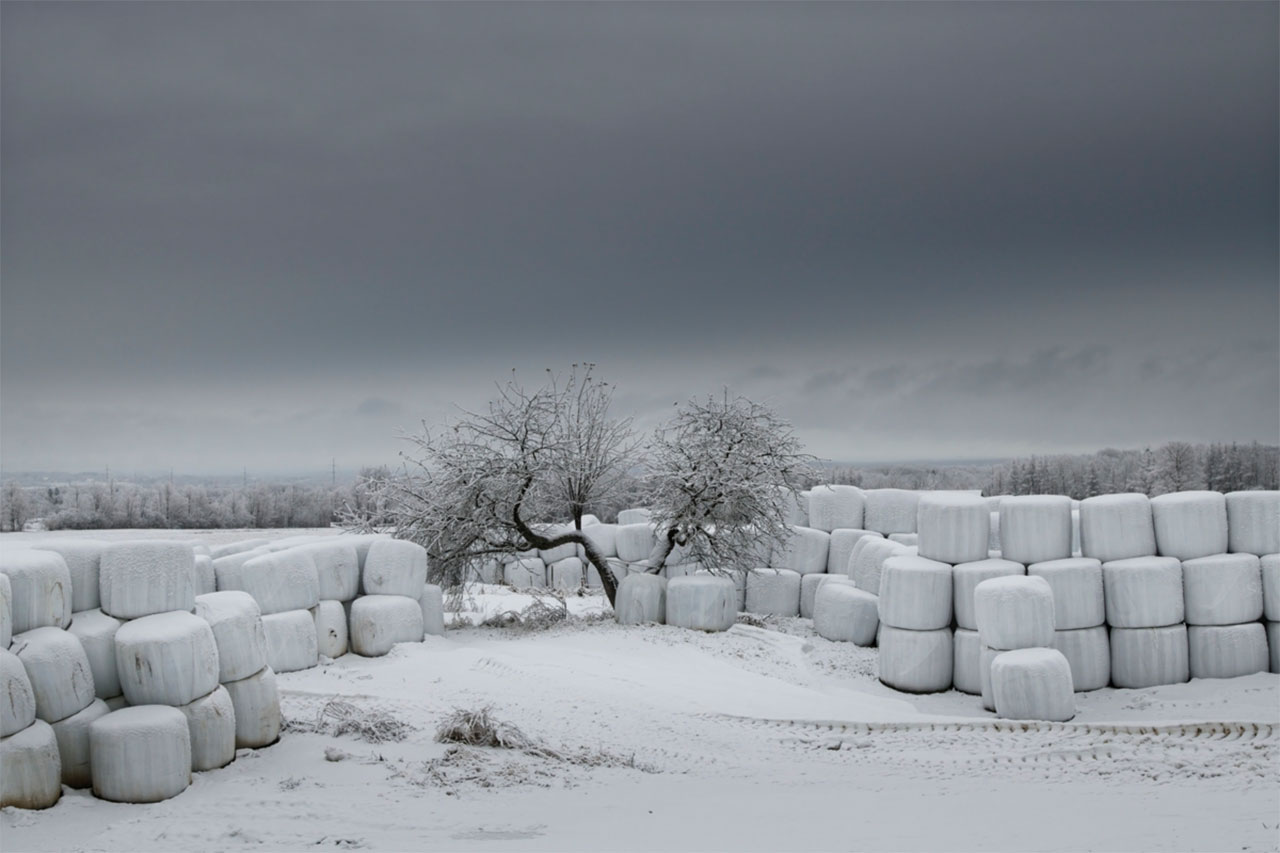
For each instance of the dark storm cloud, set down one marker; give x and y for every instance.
(347, 215)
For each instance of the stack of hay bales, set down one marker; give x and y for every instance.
(835, 508)
(393, 578)
(1079, 618)
(32, 776)
(286, 585)
(1253, 522)
(243, 672)
(337, 565)
(1013, 612)
(965, 578)
(916, 654)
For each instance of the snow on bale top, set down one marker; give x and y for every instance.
(834, 507)
(1117, 527)
(280, 581)
(83, 557)
(1035, 528)
(40, 586)
(337, 568)
(890, 510)
(953, 528)
(227, 550)
(395, 567)
(1190, 524)
(140, 578)
(1014, 612)
(1253, 522)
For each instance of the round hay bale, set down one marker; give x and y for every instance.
(965, 579)
(1143, 592)
(226, 570)
(1117, 527)
(1226, 651)
(330, 618)
(890, 510)
(641, 598)
(804, 552)
(840, 548)
(1253, 522)
(916, 661)
(206, 578)
(525, 573)
(166, 659)
(337, 569)
(773, 592)
(738, 578)
(32, 777)
(985, 656)
(604, 537)
(39, 589)
(140, 754)
(1035, 528)
(634, 542)
(809, 586)
(256, 702)
(83, 558)
(835, 507)
(219, 551)
(1270, 567)
(1088, 650)
(1033, 684)
(1077, 591)
(843, 613)
(211, 722)
(1014, 612)
(146, 577)
(291, 638)
(1190, 524)
(278, 581)
(915, 593)
(1224, 589)
(867, 561)
(1273, 644)
(566, 574)
(637, 515)
(59, 672)
(911, 540)
(17, 699)
(953, 528)
(72, 735)
(966, 672)
(378, 622)
(702, 602)
(236, 622)
(432, 603)
(96, 632)
(6, 612)
(993, 537)
(394, 567)
(1146, 657)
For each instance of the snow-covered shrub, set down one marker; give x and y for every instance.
(641, 598)
(1035, 528)
(843, 613)
(1143, 592)
(916, 661)
(1190, 524)
(1014, 612)
(236, 622)
(211, 722)
(1226, 651)
(72, 735)
(378, 622)
(1077, 591)
(915, 593)
(1088, 650)
(39, 589)
(965, 579)
(953, 528)
(1253, 522)
(146, 577)
(292, 643)
(804, 552)
(890, 510)
(835, 507)
(1146, 657)
(140, 754)
(256, 701)
(394, 567)
(1223, 589)
(32, 777)
(1033, 684)
(166, 659)
(96, 632)
(773, 592)
(59, 672)
(702, 602)
(83, 558)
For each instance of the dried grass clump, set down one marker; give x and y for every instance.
(339, 718)
(480, 728)
(546, 611)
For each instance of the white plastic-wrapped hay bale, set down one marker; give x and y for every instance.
(1077, 591)
(809, 586)
(206, 578)
(211, 722)
(166, 659)
(83, 558)
(604, 537)
(985, 657)
(6, 612)
(566, 573)
(1190, 524)
(394, 567)
(867, 561)
(1270, 566)
(1223, 589)
(953, 528)
(279, 581)
(226, 570)
(256, 701)
(219, 551)
(805, 551)
(72, 735)
(909, 539)
(337, 568)
(146, 577)
(330, 618)
(1075, 532)
(525, 573)
(1088, 650)
(1033, 684)
(840, 548)
(634, 542)
(17, 699)
(636, 515)
(702, 602)
(890, 510)
(1146, 657)
(32, 777)
(915, 593)
(378, 622)
(641, 598)
(1117, 527)
(916, 661)
(1226, 651)
(967, 660)
(1273, 645)
(965, 579)
(835, 507)
(292, 643)
(96, 632)
(432, 603)
(1035, 528)
(236, 622)
(1143, 592)
(1014, 612)
(140, 754)
(58, 670)
(843, 613)
(773, 592)
(993, 537)
(1253, 522)
(39, 589)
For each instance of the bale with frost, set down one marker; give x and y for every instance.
(394, 567)
(525, 573)
(840, 548)
(1223, 589)
(96, 632)
(432, 603)
(773, 592)
(702, 602)
(143, 578)
(809, 586)
(1088, 650)
(1117, 527)
(993, 537)
(915, 593)
(967, 658)
(634, 542)
(39, 589)
(804, 552)
(32, 777)
(6, 612)
(638, 515)
(566, 574)
(641, 598)
(219, 551)
(206, 577)
(1190, 524)
(291, 638)
(378, 622)
(843, 613)
(835, 507)
(890, 510)
(953, 528)
(17, 699)
(1014, 612)
(1226, 651)
(867, 561)
(279, 581)
(916, 661)
(72, 735)
(211, 722)
(236, 622)
(604, 537)
(1143, 592)
(330, 618)
(140, 754)
(59, 672)
(1270, 566)
(1253, 522)
(166, 659)
(1273, 644)
(256, 702)
(965, 579)
(1035, 528)
(1146, 657)
(337, 569)
(1033, 684)
(1076, 582)
(83, 558)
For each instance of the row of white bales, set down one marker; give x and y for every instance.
(125, 666)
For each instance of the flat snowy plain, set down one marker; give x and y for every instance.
(758, 739)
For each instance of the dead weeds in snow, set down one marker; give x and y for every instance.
(339, 717)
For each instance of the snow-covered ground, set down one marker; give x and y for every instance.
(758, 739)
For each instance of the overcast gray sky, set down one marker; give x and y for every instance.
(272, 234)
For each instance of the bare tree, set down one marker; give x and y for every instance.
(1178, 467)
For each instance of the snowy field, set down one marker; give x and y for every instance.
(655, 737)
